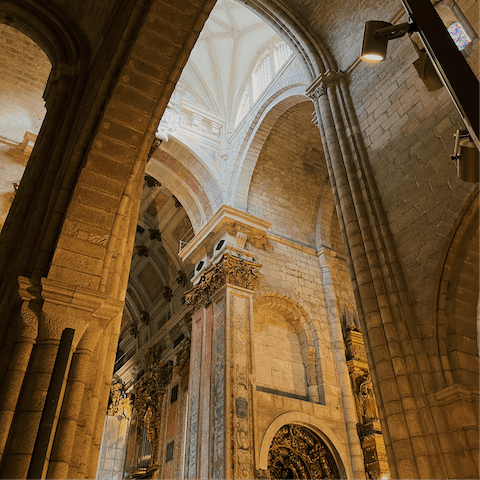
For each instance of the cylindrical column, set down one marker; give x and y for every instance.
(327, 260)
(65, 435)
(25, 336)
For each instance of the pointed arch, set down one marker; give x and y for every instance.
(456, 292)
(262, 126)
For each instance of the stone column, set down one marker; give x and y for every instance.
(57, 308)
(220, 429)
(328, 262)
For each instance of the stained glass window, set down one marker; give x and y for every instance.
(458, 34)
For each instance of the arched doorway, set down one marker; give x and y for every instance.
(297, 452)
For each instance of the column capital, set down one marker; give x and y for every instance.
(322, 82)
(229, 231)
(228, 270)
(61, 306)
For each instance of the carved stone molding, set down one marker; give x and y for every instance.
(229, 270)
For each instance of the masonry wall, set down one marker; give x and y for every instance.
(409, 137)
(24, 70)
(289, 176)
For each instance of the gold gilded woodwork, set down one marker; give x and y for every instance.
(149, 393)
(296, 452)
(120, 402)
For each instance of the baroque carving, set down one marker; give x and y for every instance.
(296, 452)
(120, 402)
(229, 269)
(182, 278)
(177, 202)
(149, 393)
(369, 430)
(183, 358)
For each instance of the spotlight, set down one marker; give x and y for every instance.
(376, 37)
(426, 70)
(465, 154)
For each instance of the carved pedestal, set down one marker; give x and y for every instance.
(219, 435)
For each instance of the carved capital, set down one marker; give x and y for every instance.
(321, 84)
(229, 270)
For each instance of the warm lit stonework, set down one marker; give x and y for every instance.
(231, 249)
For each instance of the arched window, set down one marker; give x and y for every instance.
(274, 58)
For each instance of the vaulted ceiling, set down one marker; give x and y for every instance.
(224, 55)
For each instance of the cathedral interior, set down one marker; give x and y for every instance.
(231, 248)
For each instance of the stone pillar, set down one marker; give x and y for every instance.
(220, 429)
(56, 308)
(328, 262)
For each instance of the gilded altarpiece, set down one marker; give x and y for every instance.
(220, 432)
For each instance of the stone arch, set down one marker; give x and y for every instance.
(308, 50)
(262, 126)
(192, 160)
(179, 180)
(325, 433)
(456, 299)
(298, 317)
(62, 44)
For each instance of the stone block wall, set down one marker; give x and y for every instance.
(24, 70)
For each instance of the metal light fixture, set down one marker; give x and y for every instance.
(376, 37)
(426, 71)
(466, 157)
